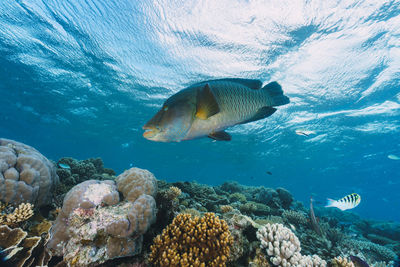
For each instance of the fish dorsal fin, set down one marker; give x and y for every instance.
(251, 83)
(206, 105)
(261, 114)
(220, 136)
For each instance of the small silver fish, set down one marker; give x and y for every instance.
(208, 108)
(393, 157)
(304, 132)
(348, 202)
(64, 166)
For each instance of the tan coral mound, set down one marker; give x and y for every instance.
(192, 241)
(135, 182)
(25, 174)
(341, 262)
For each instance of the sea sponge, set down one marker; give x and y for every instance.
(135, 182)
(192, 241)
(25, 174)
(283, 247)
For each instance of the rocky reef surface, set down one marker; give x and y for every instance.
(94, 218)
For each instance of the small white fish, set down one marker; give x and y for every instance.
(304, 132)
(348, 202)
(64, 166)
(393, 157)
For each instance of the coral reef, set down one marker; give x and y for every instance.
(283, 247)
(26, 176)
(108, 221)
(95, 226)
(199, 241)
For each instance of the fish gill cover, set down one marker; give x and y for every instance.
(80, 78)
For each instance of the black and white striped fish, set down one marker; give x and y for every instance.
(348, 202)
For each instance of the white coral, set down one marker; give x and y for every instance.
(283, 247)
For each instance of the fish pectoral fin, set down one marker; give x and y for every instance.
(206, 105)
(220, 136)
(261, 114)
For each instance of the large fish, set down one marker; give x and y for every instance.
(208, 108)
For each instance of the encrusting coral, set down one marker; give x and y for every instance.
(198, 241)
(283, 247)
(25, 174)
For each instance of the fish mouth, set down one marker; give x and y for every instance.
(150, 132)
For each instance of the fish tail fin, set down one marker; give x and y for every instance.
(275, 94)
(330, 203)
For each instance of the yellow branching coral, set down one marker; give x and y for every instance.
(173, 192)
(192, 241)
(226, 208)
(341, 262)
(22, 213)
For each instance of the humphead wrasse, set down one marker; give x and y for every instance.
(209, 107)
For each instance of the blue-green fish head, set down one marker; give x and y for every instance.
(172, 122)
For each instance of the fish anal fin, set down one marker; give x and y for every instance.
(220, 136)
(261, 114)
(206, 105)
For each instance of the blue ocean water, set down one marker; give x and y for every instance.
(80, 78)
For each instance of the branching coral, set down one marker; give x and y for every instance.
(198, 241)
(283, 247)
(20, 214)
(225, 208)
(341, 262)
(173, 192)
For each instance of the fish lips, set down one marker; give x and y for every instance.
(150, 131)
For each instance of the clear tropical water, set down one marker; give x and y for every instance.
(80, 78)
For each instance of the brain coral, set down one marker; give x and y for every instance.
(191, 241)
(25, 174)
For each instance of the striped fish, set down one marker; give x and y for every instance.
(348, 202)
(208, 108)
